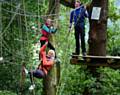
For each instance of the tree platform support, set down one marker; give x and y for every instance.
(96, 61)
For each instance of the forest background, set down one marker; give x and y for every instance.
(19, 45)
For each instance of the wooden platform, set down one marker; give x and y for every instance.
(109, 61)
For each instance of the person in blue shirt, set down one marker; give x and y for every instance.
(78, 16)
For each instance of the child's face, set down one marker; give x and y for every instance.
(51, 53)
(49, 22)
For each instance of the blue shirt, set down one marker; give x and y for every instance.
(78, 16)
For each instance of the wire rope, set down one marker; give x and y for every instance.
(1, 38)
(33, 15)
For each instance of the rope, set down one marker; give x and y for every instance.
(31, 14)
(19, 8)
(11, 20)
(1, 58)
(38, 16)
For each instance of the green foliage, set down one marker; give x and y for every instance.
(109, 81)
(17, 44)
(113, 31)
(5, 92)
(113, 11)
(113, 35)
(10, 75)
(75, 81)
(18, 47)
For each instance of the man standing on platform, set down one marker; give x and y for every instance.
(78, 17)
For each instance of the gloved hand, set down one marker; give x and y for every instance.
(53, 30)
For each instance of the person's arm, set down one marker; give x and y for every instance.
(43, 56)
(42, 49)
(71, 18)
(46, 28)
(85, 12)
(49, 30)
(43, 52)
(53, 30)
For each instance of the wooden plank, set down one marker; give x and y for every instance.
(96, 62)
(100, 57)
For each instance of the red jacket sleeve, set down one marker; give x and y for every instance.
(42, 49)
(43, 52)
(48, 63)
(43, 57)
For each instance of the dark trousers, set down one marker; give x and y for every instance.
(79, 37)
(50, 46)
(37, 73)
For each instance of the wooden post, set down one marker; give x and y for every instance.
(98, 29)
(51, 81)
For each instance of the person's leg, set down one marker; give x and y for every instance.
(51, 46)
(42, 42)
(83, 42)
(32, 86)
(38, 73)
(31, 77)
(77, 49)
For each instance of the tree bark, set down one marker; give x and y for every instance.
(97, 36)
(98, 28)
(51, 81)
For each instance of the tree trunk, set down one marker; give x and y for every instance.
(98, 28)
(51, 81)
(97, 36)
